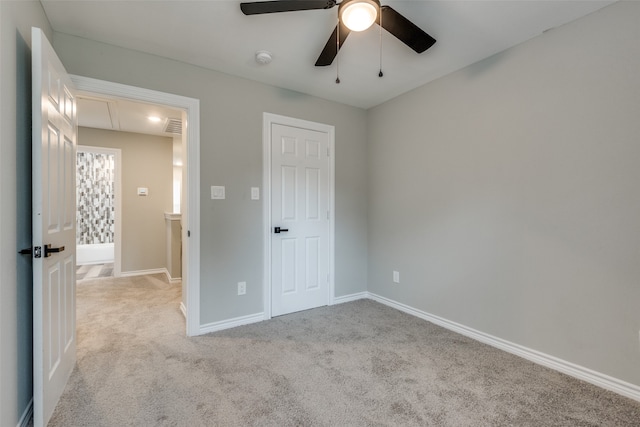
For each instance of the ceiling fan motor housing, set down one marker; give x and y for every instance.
(346, 3)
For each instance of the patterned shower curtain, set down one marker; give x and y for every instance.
(94, 195)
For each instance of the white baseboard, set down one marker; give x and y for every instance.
(351, 297)
(26, 415)
(174, 279)
(151, 271)
(143, 272)
(183, 309)
(623, 388)
(231, 323)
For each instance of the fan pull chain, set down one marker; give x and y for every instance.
(337, 52)
(380, 74)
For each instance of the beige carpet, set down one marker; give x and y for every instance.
(354, 364)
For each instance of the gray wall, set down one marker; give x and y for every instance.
(147, 161)
(16, 19)
(231, 111)
(506, 194)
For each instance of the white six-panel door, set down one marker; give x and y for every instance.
(54, 211)
(300, 208)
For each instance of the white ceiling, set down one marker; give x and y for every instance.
(215, 34)
(125, 116)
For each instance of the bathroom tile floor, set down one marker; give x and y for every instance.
(94, 271)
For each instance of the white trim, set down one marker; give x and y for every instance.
(117, 201)
(172, 279)
(231, 323)
(145, 272)
(183, 309)
(623, 388)
(172, 216)
(162, 270)
(26, 415)
(191, 208)
(351, 297)
(332, 213)
(268, 120)
(266, 216)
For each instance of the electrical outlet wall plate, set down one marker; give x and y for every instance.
(396, 277)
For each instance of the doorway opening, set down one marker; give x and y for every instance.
(189, 109)
(98, 212)
(128, 187)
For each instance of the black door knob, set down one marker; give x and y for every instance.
(48, 250)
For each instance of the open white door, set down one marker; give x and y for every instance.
(54, 209)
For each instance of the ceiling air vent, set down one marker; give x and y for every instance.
(173, 126)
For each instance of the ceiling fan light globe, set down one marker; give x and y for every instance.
(359, 15)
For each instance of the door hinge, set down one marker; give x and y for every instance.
(328, 155)
(188, 233)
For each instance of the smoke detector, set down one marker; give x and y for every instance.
(263, 57)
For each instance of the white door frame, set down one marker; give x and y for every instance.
(191, 207)
(267, 121)
(117, 200)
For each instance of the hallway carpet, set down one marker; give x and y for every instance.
(354, 364)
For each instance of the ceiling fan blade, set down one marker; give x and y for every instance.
(405, 31)
(260, 7)
(330, 49)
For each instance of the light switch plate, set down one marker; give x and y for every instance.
(217, 192)
(255, 193)
(396, 277)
